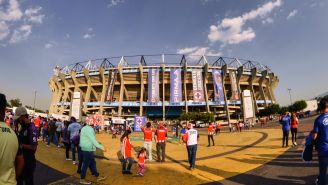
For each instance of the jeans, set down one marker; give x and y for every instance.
(323, 163)
(88, 161)
(58, 134)
(285, 138)
(160, 147)
(27, 176)
(67, 146)
(128, 160)
(294, 134)
(192, 149)
(74, 147)
(54, 138)
(148, 146)
(44, 134)
(209, 141)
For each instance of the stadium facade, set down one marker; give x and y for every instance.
(163, 86)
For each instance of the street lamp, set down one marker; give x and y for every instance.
(290, 96)
(34, 101)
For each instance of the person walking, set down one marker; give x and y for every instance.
(218, 128)
(52, 132)
(148, 139)
(74, 130)
(59, 127)
(285, 122)
(11, 156)
(66, 140)
(28, 136)
(126, 147)
(210, 132)
(160, 138)
(88, 144)
(294, 124)
(191, 139)
(45, 132)
(320, 134)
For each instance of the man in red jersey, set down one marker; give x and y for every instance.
(148, 138)
(210, 132)
(160, 137)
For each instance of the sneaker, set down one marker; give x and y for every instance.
(83, 181)
(48, 145)
(141, 174)
(68, 159)
(58, 146)
(295, 143)
(74, 162)
(100, 178)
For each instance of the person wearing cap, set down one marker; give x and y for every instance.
(285, 123)
(88, 144)
(11, 156)
(191, 139)
(160, 138)
(28, 141)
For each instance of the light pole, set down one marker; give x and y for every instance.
(290, 96)
(34, 101)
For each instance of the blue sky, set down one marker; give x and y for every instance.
(288, 36)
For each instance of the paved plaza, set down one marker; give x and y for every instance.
(249, 157)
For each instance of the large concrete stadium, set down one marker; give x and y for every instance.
(163, 86)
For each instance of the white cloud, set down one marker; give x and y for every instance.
(33, 15)
(16, 24)
(231, 31)
(21, 34)
(90, 29)
(4, 30)
(88, 36)
(268, 20)
(48, 45)
(114, 3)
(11, 12)
(292, 14)
(194, 53)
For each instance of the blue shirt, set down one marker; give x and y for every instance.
(321, 127)
(74, 129)
(183, 131)
(285, 122)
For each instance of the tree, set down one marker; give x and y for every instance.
(15, 102)
(298, 106)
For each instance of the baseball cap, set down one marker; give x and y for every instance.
(20, 111)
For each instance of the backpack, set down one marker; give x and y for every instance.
(76, 139)
(308, 148)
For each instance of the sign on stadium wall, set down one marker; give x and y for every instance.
(139, 121)
(218, 88)
(76, 105)
(175, 86)
(248, 104)
(111, 82)
(197, 85)
(234, 88)
(153, 85)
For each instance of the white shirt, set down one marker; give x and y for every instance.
(192, 137)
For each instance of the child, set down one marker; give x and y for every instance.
(141, 161)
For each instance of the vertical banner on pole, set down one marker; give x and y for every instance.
(153, 85)
(76, 105)
(248, 104)
(218, 88)
(111, 83)
(197, 85)
(139, 121)
(233, 80)
(175, 86)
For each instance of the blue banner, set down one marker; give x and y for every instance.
(139, 121)
(218, 88)
(153, 85)
(175, 86)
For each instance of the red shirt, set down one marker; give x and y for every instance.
(148, 134)
(161, 135)
(218, 126)
(294, 123)
(37, 122)
(142, 158)
(8, 122)
(210, 130)
(126, 147)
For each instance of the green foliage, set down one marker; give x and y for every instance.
(298, 106)
(197, 116)
(269, 110)
(15, 102)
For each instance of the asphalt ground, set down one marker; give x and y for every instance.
(285, 167)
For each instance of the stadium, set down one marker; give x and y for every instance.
(164, 86)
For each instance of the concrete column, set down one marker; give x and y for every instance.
(142, 89)
(270, 88)
(225, 71)
(185, 85)
(59, 95)
(251, 85)
(205, 87)
(54, 89)
(262, 80)
(66, 91)
(120, 68)
(240, 71)
(163, 91)
(104, 88)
